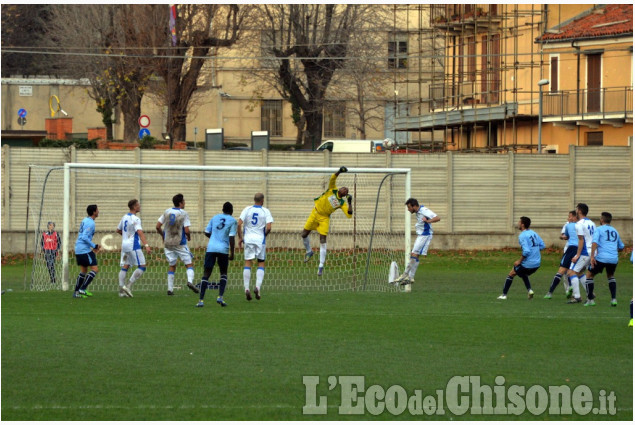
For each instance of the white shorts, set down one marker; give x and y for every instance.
(255, 250)
(421, 245)
(133, 258)
(181, 251)
(579, 265)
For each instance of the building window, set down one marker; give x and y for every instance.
(335, 119)
(271, 117)
(398, 52)
(595, 138)
(553, 80)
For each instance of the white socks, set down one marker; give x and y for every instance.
(307, 244)
(122, 277)
(246, 277)
(170, 281)
(322, 254)
(411, 269)
(135, 276)
(575, 284)
(190, 274)
(260, 275)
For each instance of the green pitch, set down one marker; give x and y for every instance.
(156, 357)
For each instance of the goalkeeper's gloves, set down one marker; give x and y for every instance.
(349, 198)
(343, 169)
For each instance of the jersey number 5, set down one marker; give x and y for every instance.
(254, 219)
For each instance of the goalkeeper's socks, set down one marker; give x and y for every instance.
(508, 284)
(260, 275)
(322, 254)
(555, 282)
(246, 277)
(307, 244)
(89, 279)
(222, 284)
(171, 281)
(122, 276)
(79, 281)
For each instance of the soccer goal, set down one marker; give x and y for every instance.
(360, 249)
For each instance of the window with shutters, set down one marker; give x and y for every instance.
(595, 138)
(271, 117)
(335, 119)
(553, 77)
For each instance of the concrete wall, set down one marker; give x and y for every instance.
(478, 197)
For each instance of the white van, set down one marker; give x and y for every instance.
(352, 146)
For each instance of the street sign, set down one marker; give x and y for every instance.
(143, 133)
(144, 121)
(22, 112)
(21, 121)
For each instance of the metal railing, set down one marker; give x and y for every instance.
(608, 102)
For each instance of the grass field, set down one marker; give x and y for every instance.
(155, 357)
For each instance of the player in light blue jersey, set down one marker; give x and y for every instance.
(531, 245)
(568, 234)
(585, 229)
(424, 217)
(85, 250)
(606, 244)
(220, 230)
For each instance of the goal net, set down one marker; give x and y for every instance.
(360, 250)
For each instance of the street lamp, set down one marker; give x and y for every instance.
(541, 83)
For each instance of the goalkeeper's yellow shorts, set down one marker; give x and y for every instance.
(319, 222)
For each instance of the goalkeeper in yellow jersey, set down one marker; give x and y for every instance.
(325, 204)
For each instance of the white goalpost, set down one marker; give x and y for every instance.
(360, 249)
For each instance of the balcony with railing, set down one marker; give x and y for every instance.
(591, 107)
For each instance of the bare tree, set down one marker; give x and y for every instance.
(108, 45)
(305, 45)
(200, 29)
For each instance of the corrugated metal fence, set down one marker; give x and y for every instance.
(476, 194)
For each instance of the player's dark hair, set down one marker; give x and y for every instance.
(412, 202)
(177, 199)
(90, 210)
(132, 203)
(228, 208)
(526, 221)
(259, 198)
(607, 217)
(573, 213)
(584, 208)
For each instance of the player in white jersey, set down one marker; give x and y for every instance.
(132, 238)
(175, 237)
(424, 216)
(254, 225)
(585, 229)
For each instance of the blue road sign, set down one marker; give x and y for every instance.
(22, 112)
(144, 132)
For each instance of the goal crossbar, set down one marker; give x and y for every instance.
(157, 167)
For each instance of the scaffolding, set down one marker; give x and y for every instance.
(476, 61)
